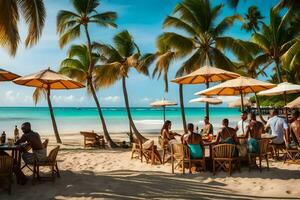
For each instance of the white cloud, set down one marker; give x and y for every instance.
(112, 99)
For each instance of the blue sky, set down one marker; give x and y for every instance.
(142, 18)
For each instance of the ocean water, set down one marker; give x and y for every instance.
(73, 120)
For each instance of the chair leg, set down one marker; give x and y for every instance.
(267, 160)
(164, 154)
(249, 162)
(183, 168)
(214, 167)
(52, 173)
(230, 168)
(57, 170)
(260, 167)
(172, 160)
(190, 167)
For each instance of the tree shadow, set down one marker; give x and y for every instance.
(126, 184)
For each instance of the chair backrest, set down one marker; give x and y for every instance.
(53, 154)
(177, 150)
(45, 143)
(6, 164)
(223, 150)
(263, 146)
(89, 134)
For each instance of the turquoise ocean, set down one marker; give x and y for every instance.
(73, 120)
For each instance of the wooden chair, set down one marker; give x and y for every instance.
(200, 161)
(28, 147)
(277, 150)
(164, 146)
(263, 146)
(292, 154)
(92, 139)
(223, 158)
(6, 170)
(49, 161)
(178, 156)
(151, 154)
(136, 150)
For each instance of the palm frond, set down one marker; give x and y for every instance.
(226, 23)
(70, 35)
(178, 23)
(66, 19)
(37, 94)
(107, 74)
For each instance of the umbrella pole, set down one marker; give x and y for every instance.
(164, 113)
(58, 140)
(286, 109)
(207, 104)
(242, 102)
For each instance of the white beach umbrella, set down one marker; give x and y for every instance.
(209, 100)
(163, 103)
(294, 104)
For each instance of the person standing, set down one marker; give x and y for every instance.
(207, 128)
(243, 124)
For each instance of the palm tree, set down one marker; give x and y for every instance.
(120, 58)
(69, 26)
(34, 15)
(274, 40)
(76, 66)
(252, 20)
(202, 37)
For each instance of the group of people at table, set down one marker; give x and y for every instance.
(245, 135)
(32, 139)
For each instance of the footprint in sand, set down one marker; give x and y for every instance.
(288, 192)
(261, 188)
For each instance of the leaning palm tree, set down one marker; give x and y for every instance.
(76, 66)
(253, 19)
(69, 25)
(120, 59)
(275, 39)
(200, 36)
(34, 16)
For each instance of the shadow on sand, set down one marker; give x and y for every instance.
(124, 184)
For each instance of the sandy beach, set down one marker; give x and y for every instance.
(110, 174)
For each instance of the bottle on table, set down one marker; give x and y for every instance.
(3, 137)
(16, 133)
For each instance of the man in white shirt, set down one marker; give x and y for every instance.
(242, 125)
(279, 127)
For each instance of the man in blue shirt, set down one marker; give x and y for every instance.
(279, 127)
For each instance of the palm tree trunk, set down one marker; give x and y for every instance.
(58, 140)
(259, 110)
(278, 72)
(166, 82)
(182, 108)
(138, 135)
(108, 139)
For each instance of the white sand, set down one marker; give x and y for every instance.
(110, 174)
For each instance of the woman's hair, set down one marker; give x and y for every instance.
(165, 126)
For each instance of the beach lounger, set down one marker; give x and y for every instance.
(92, 139)
(6, 171)
(263, 146)
(51, 162)
(223, 158)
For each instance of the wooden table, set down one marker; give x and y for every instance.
(15, 154)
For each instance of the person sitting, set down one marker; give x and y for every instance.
(166, 133)
(242, 125)
(253, 133)
(207, 128)
(279, 128)
(33, 139)
(194, 143)
(295, 126)
(226, 135)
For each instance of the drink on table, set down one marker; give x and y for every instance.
(3, 137)
(16, 133)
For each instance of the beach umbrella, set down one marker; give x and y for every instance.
(49, 80)
(238, 103)
(294, 104)
(239, 86)
(282, 88)
(209, 100)
(206, 74)
(7, 76)
(163, 103)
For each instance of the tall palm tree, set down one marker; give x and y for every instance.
(69, 25)
(274, 40)
(76, 66)
(120, 59)
(201, 36)
(253, 19)
(34, 15)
